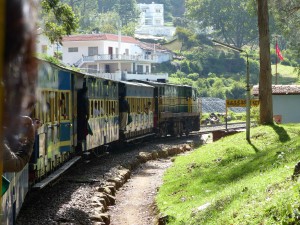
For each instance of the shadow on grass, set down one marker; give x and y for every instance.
(281, 132)
(253, 146)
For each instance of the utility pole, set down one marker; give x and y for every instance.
(248, 105)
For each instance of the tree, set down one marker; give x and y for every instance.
(58, 19)
(265, 76)
(127, 9)
(231, 20)
(86, 12)
(287, 19)
(107, 22)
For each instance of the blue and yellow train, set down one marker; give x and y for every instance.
(80, 113)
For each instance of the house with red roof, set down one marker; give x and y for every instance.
(286, 102)
(114, 56)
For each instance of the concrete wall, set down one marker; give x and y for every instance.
(288, 106)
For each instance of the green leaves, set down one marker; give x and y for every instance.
(229, 20)
(58, 19)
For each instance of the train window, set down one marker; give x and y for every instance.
(48, 105)
(95, 108)
(64, 106)
(111, 108)
(68, 109)
(90, 108)
(114, 108)
(52, 105)
(107, 108)
(102, 108)
(98, 88)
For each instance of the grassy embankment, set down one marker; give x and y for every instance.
(232, 181)
(286, 74)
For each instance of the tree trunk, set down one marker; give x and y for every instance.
(265, 76)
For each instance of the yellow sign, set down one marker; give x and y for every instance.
(240, 102)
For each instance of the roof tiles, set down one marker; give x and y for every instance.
(98, 37)
(280, 90)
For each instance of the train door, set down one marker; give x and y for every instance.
(77, 83)
(157, 99)
(64, 111)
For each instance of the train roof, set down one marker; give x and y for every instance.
(136, 83)
(156, 83)
(61, 67)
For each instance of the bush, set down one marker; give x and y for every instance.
(193, 76)
(286, 62)
(254, 114)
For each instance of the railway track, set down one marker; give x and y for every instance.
(222, 126)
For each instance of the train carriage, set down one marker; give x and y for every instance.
(56, 109)
(141, 102)
(69, 126)
(103, 111)
(176, 109)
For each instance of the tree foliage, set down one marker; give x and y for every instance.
(287, 18)
(58, 19)
(231, 20)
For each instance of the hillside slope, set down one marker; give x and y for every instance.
(232, 181)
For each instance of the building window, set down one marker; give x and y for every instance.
(73, 49)
(126, 51)
(139, 69)
(44, 49)
(93, 51)
(148, 22)
(92, 68)
(157, 21)
(157, 10)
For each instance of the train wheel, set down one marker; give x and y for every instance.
(187, 133)
(163, 130)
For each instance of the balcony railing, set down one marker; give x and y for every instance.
(120, 57)
(118, 75)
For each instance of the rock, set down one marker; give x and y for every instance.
(162, 220)
(172, 151)
(144, 157)
(187, 147)
(97, 217)
(117, 181)
(201, 208)
(296, 171)
(180, 149)
(106, 218)
(112, 189)
(99, 210)
(105, 190)
(112, 199)
(163, 153)
(154, 155)
(126, 173)
(104, 200)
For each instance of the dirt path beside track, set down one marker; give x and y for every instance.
(135, 200)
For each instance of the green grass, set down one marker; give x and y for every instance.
(239, 182)
(287, 74)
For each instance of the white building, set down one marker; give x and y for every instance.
(44, 46)
(114, 56)
(286, 102)
(151, 21)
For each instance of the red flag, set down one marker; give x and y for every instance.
(278, 52)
